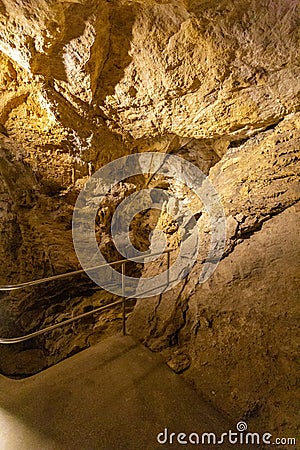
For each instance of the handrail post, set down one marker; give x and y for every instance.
(122, 301)
(168, 268)
(123, 295)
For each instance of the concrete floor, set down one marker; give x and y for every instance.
(115, 395)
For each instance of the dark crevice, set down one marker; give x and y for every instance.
(239, 142)
(249, 232)
(183, 305)
(274, 125)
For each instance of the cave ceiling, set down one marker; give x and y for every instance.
(83, 82)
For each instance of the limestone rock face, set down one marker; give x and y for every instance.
(241, 323)
(84, 82)
(241, 327)
(208, 71)
(161, 75)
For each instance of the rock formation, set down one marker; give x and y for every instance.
(87, 81)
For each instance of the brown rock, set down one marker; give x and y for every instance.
(179, 362)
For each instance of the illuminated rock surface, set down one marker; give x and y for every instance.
(85, 82)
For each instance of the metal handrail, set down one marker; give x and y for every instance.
(14, 287)
(26, 337)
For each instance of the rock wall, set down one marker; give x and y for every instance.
(86, 81)
(235, 336)
(135, 76)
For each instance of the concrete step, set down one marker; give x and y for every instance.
(114, 395)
